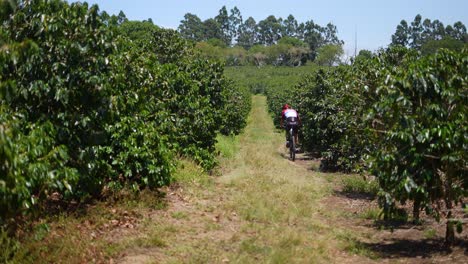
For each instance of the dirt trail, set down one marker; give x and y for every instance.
(264, 209)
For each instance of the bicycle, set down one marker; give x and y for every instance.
(292, 145)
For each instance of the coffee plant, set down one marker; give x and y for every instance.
(85, 110)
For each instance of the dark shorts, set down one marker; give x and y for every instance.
(292, 122)
(294, 127)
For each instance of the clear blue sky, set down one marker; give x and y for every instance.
(374, 20)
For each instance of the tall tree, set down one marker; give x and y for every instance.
(300, 31)
(191, 27)
(401, 36)
(313, 37)
(235, 22)
(432, 46)
(248, 33)
(330, 35)
(137, 30)
(290, 26)
(121, 18)
(223, 20)
(420, 33)
(438, 30)
(416, 32)
(269, 30)
(212, 29)
(294, 51)
(427, 31)
(363, 55)
(459, 31)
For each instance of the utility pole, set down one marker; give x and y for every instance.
(355, 41)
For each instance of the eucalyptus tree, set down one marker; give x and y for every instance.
(248, 35)
(235, 22)
(212, 29)
(269, 30)
(290, 26)
(191, 27)
(224, 25)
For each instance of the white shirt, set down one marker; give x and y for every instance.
(290, 113)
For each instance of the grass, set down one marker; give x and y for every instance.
(179, 215)
(190, 173)
(8, 247)
(228, 146)
(276, 199)
(430, 233)
(351, 243)
(360, 185)
(68, 240)
(371, 213)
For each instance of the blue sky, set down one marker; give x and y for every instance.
(374, 20)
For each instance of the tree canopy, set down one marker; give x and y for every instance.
(429, 35)
(233, 30)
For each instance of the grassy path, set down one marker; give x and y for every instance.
(263, 209)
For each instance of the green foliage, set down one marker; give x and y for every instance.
(32, 165)
(137, 30)
(283, 54)
(210, 52)
(420, 128)
(329, 55)
(216, 43)
(6, 8)
(87, 104)
(397, 115)
(53, 98)
(432, 46)
(236, 109)
(8, 246)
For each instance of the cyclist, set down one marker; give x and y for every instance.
(290, 118)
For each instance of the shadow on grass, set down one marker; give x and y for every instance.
(301, 156)
(54, 207)
(425, 249)
(309, 156)
(355, 195)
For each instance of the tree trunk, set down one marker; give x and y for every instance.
(416, 210)
(450, 231)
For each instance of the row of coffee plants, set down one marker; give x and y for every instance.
(274, 81)
(399, 116)
(84, 110)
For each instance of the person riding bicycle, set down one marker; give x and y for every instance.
(290, 118)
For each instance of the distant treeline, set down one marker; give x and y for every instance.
(428, 36)
(293, 42)
(278, 41)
